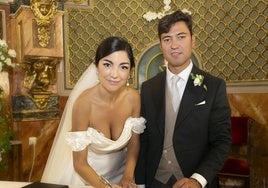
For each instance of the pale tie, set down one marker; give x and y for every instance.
(175, 92)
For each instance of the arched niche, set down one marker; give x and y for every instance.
(151, 62)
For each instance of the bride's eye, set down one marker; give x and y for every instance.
(107, 65)
(124, 67)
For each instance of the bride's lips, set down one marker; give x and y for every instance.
(112, 82)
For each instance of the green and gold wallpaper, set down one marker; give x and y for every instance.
(231, 36)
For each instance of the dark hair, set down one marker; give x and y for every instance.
(167, 21)
(114, 44)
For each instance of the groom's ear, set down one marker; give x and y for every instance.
(193, 41)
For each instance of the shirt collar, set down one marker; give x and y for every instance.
(184, 75)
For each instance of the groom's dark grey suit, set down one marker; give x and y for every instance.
(201, 138)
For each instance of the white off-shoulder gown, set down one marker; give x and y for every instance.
(105, 156)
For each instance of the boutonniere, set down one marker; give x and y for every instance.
(198, 80)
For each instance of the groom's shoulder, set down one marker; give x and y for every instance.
(157, 79)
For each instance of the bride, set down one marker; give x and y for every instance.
(97, 142)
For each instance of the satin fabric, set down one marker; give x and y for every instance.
(108, 162)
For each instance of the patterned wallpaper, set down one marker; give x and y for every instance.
(231, 36)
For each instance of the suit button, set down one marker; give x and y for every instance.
(169, 162)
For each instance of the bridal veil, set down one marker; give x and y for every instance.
(59, 166)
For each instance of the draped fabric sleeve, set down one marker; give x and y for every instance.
(78, 141)
(137, 124)
(97, 142)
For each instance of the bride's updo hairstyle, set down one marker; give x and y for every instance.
(113, 44)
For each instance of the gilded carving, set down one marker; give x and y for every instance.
(40, 72)
(41, 100)
(44, 11)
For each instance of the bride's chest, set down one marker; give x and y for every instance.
(110, 128)
(109, 120)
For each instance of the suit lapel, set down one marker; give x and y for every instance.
(159, 98)
(192, 95)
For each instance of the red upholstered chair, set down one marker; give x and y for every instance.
(236, 170)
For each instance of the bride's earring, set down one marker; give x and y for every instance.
(127, 84)
(129, 81)
(130, 78)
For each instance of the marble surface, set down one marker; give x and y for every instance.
(17, 184)
(255, 106)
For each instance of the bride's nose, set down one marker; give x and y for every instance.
(114, 72)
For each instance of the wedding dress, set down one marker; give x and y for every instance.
(107, 157)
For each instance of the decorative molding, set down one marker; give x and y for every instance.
(24, 108)
(248, 87)
(44, 11)
(40, 73)
(83, 4)
(3, 24)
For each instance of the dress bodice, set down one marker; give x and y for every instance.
(98, 143)
(106, 156)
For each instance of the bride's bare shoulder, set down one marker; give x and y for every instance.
(133, 94)
(85, 96)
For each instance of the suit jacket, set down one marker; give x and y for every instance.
(201, 138)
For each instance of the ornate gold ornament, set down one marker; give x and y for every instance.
(41, 100)
(44, 11)
(40, 72)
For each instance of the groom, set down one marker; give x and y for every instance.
(184, 145)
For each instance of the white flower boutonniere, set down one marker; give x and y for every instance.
(198, 80)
